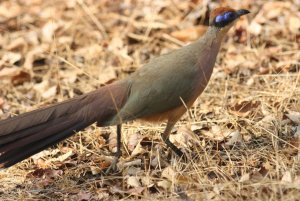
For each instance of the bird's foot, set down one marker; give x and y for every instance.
(175, 149)
(112, 168)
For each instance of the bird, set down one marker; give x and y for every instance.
(162, 90)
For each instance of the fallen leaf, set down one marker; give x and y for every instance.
(63, 157)
(138, 150)
(133, 140)
(244, 108)
(245, 177)
(165, 184)
(20, 78)
(294, 116)
(169, 173)
(234, 137)
(51, 92)
(46, 173)
(287, 177)
(136, 191)
(112, 141)
(217, 133)
(133, 181)
(84, 195)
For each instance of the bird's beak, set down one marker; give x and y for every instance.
(242, 12)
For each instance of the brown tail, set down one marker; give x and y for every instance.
(32, 132)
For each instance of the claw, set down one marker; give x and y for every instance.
(113, 166)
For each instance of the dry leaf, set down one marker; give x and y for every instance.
(234, 137)
(245, 177)
(48, 173)
(165, 184)
(50, 92)
(294, 116)
(63, 157)
(95, 170)
(244, 108)
(138, 150)
(169, 173)
(217, 133)
(287, 177)
(133, 181)
(83, 195)
(136, 191)
(112, 141)
(20, 78)
(133, 140)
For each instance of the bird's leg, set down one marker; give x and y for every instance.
(165, 136)
(113, 165)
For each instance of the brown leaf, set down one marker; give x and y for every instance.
(20, 78)
(84, 195)
(244, 108)
(49, 173)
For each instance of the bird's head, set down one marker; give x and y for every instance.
(224, 17)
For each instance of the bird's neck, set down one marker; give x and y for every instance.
(213, 35)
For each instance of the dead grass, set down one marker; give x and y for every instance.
(242, 137)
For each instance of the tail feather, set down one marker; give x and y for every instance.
(29, 133)
(39, 132)
(14, 156)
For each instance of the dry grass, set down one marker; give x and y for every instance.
(241, 137)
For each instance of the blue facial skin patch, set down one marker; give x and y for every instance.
(225, 18)
(229, 16)
(220, 18)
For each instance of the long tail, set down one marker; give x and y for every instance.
(29, 133)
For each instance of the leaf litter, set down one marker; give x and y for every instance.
(241, 140)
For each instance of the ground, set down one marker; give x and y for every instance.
(242, 136)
